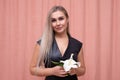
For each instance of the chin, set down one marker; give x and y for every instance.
(60, 32)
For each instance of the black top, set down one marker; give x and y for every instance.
(74, 46)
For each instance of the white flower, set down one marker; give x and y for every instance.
(70, 63)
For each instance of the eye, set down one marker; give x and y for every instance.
(53, 20)
(61, 18)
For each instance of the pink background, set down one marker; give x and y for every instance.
(95, 22)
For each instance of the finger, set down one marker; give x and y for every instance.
(60, 67)
(63, 75)
(69, 71)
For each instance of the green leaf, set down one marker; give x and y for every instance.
(58, 63)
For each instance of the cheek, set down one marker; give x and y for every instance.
(53, 24)
(64, 23)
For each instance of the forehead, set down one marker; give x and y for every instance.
(57, 14)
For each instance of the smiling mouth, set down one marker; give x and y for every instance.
(59, 28)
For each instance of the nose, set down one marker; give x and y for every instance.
(58, 22)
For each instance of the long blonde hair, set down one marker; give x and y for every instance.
(48, 34)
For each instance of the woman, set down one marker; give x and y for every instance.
(57, 44)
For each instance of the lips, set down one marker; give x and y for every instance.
(58, 27)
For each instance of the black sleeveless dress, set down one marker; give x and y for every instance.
(74, 47)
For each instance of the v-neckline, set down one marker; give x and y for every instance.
(62, 55)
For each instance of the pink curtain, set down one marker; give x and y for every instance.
(94, 22)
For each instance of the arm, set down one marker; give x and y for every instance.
(42, 71)
(33, 69)
(81, 70)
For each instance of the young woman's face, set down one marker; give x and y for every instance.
(59, 22)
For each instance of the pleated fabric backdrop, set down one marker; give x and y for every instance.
(94, 22)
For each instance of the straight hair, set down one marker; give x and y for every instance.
(48, 35)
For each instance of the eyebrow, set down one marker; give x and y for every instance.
(58, 17)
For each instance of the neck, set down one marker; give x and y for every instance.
(63, 35)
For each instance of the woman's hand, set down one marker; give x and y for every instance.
(59, 71)
(72, 71)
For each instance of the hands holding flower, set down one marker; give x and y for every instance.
(69, 67)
